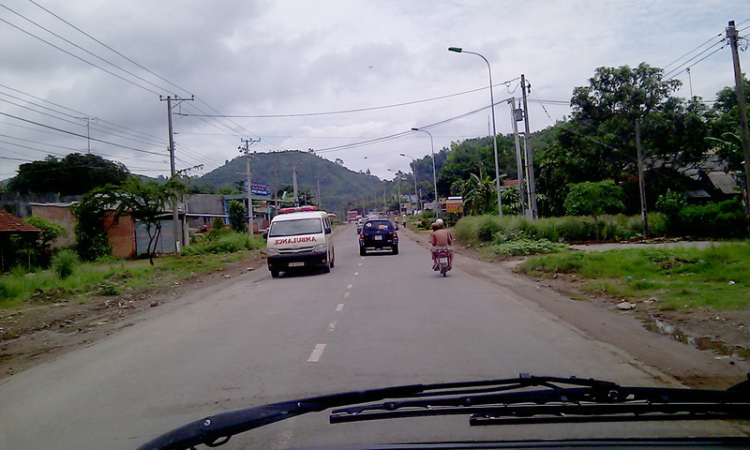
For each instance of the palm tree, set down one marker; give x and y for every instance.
(479, 194)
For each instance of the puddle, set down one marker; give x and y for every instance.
(702, 343)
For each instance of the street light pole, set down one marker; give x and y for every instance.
(494, 131)
(414, 174)
(398, 176)
(434, 173)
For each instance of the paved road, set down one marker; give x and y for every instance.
(374, 321)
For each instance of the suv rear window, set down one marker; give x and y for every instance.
(371, 225)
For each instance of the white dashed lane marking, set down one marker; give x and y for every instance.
(340, 307)
(316, 353)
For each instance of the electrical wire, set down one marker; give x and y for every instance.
(374, 108)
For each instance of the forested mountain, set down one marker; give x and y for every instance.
(338, 185)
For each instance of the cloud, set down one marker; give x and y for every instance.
(296, 57)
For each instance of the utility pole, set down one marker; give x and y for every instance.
(641, 181)
(294, 183)
(173, 172)
(88, 132)
(529, 153)
(246, 150)
(515, 117)
(740, 87)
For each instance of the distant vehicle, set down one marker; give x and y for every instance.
(378, 234)
(360, 222)
(300, 238)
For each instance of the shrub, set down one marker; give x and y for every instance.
(109, 288)
(238, 216)
(522, 246)
(488, 227)
(228, 242)
(64, 263)
(717, 220)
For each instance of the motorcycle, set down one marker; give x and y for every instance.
(443, 262)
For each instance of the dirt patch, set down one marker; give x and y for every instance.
(725, 332)
(41, 329)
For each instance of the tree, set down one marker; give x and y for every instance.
(598, 142)
(75, 174)
(92, 242)
(147, 202)
(50, 231)
(480, 194)
(238, 216)
(594, 199)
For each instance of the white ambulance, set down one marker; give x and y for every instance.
(300, 238)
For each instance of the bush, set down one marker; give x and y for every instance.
(523, 246)
(238, 216)
(488, 227)
(715, 220)
(64, 263)
(228, 241)
(475, 229)
(109, 288)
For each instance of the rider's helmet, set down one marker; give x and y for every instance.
(439, 222)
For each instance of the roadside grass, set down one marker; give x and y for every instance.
(477, 229)
(678, 278)
(116, 276)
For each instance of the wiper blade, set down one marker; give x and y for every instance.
(511, 400)
(560, 400)
(218, 429)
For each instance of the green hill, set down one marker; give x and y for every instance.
(338, 185)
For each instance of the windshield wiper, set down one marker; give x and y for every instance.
(514, 400)
(561, 400)
(218, 429)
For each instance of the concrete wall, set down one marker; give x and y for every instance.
(60, 214)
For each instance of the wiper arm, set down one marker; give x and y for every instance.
(585, 401)
(488, 402)
(218, 429)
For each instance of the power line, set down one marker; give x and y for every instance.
(78, 135)
(350, 111)
(401, 134)
(83, 49)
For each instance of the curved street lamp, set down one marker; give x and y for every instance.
(494, 131)
(434, 175)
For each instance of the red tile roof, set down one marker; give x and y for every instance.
(11, 223)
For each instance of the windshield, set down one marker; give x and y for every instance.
(296, 227)
(554, 188)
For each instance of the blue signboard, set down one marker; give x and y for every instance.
(260, 189)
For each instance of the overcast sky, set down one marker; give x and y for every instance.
(327, 75)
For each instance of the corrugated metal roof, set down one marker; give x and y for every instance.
(724, 182)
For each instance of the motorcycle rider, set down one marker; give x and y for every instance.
(440, 239)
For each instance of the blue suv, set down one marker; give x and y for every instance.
(378, 234)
